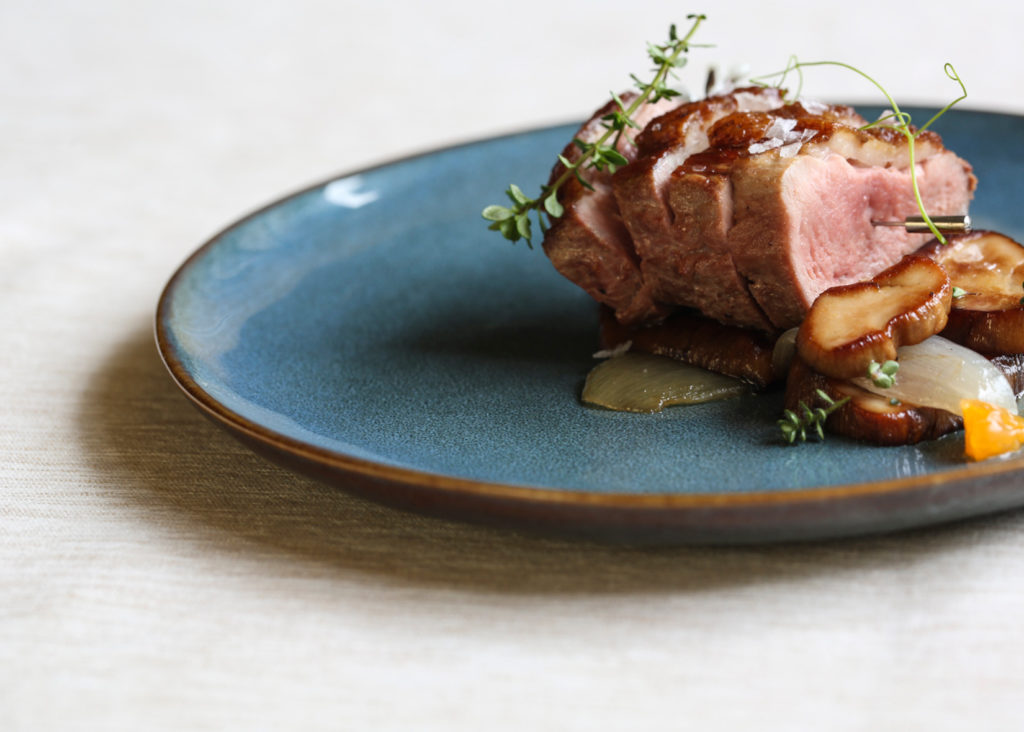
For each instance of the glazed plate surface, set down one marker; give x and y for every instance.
(372, 332)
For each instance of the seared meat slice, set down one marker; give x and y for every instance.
(804, 211)
(746, 209)
(589, 244)
(681, 242)
(782, 202)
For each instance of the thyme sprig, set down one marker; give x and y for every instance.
(896, 119)
(514, 223)
(796, 425)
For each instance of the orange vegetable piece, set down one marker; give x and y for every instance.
(990, 430)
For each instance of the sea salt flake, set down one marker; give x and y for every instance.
(760, 147)
(780, 127)
(790, 150)
(813, 106)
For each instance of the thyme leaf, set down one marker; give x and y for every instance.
(883, 375)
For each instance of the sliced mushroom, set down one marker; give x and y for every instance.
(867, 417)
(989, 268)
(694, 339)
(1012, 366)
(850, 326)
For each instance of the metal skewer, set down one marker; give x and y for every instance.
(917, 225)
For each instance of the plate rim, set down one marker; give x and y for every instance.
(504, 491)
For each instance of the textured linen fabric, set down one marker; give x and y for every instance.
(154, 574)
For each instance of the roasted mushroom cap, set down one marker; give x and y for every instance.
(989, 268)
(850, 326)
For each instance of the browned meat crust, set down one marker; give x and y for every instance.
(589, 244)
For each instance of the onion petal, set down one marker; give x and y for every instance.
(641, 382)
(785, 349)
(939, 373)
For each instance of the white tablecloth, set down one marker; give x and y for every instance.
(156, 575)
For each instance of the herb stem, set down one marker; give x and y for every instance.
(659, 78)
(514, 222)
(798, 425)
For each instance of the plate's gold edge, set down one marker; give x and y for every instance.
(535, 494)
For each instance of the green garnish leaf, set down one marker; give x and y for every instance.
(959, 292)
(883, 375)
(517, 195)
(523, 225)
(497, 213)
(552, 206)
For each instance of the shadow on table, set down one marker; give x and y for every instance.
(172, 466)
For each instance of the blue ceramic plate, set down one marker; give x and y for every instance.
(372, 332)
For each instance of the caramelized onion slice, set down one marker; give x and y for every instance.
(939, 373)
(640, 382)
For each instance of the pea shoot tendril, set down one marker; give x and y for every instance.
(895, 119)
